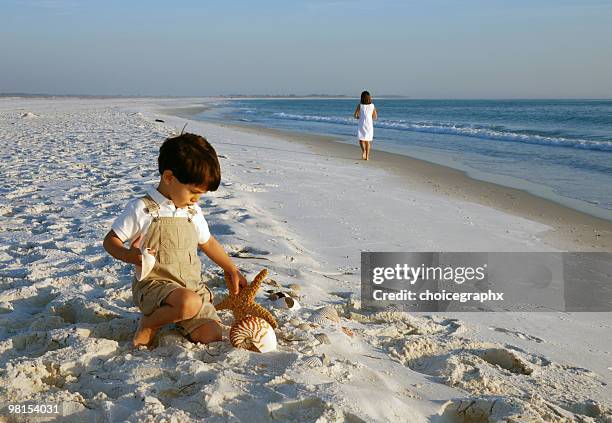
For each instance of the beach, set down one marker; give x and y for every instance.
(304, 207)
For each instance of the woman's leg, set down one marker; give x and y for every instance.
(367, 149)
(363, 144)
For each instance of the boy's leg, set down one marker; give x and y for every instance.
(209, 331)
(204, 327)
(180, 304)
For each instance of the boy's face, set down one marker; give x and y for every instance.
(182, 195)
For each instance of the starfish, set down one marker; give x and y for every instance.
(243, 304)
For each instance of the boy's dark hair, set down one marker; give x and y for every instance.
(192, 160)
(366, 98)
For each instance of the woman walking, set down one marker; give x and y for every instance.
(367, 114)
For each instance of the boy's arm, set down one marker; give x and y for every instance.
(114, 246)
(216, 253)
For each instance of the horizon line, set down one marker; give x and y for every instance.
(287, 96)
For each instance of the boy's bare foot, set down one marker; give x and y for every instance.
(143, 336)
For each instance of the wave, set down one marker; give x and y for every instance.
(467, 130)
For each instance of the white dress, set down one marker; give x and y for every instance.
(366, 124)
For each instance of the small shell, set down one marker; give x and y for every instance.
(304, 326)
(294, 287)
(322, 338)
(253, 333)
(324, 315)
(6, 307)
(287, 303)
(308, 349)
(294, 294)
(272, 282)
(294, 321)
(313, 361)
(326, 360)
(275, 295)
(348, 331)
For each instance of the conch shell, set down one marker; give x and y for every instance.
(254, 334)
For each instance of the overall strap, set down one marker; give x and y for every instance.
(151, 207)
(192, 212)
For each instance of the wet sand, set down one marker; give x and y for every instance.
(571, 230)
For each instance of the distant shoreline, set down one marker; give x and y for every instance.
(541, 191)
(570, 228)
(290, 96)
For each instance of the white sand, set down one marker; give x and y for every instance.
(70, 165)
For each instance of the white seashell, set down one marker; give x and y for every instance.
(326, 360)
(324, 315)
(322, 338)
(294, 321)
(6, 307)
(313, 361)
(294, 287)
(272, 282)
(308, 350)
(148, 262)
(253, 333)
(287, 303)
(304, 326)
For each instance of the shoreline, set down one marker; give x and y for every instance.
(571, 230)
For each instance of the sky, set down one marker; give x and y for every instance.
(419, 49)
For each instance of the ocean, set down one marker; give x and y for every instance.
(556, 149)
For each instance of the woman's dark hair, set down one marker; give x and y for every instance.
(192, 160)
(366, 98)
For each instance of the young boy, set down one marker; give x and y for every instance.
(169, 223)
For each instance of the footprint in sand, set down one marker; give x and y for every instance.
(246, 252)
(307, 409)
(518, 334)
(507, 360)
(589, 408)
(30, 300)
(81, 310)
(120, 329)
(483, 410)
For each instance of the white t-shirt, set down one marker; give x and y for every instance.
(135, 221)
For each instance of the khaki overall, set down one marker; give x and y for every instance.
(177, 265)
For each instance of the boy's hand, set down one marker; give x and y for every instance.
(234, 280)
(135, 255)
